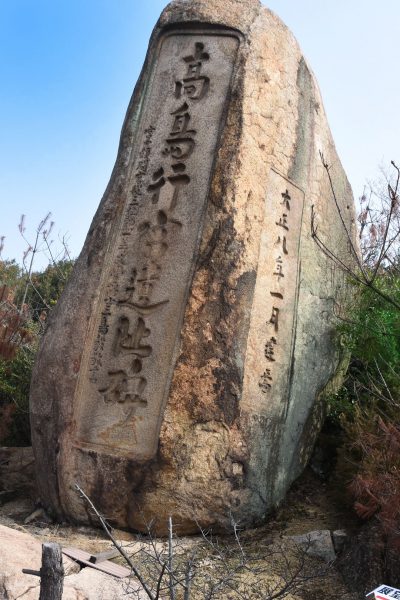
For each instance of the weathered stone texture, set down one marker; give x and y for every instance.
(20, 550)
(196, 396)
(17, 472)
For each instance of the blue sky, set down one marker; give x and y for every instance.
(68, 68)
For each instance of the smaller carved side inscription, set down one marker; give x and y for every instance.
(274, 315)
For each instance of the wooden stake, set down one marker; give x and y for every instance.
(52, 573)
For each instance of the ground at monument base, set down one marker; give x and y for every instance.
(310, 506)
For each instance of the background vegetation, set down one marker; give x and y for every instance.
(26, 297)
(367, 408)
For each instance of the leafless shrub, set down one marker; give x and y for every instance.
(379, 234)
(211, 567)
(41, 243)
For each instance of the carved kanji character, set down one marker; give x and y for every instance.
(286, 199)
(276, 294)
(274, 320)
(278, 268)
(153, 237)
(159, 182)
(180, 144)
(283, 222)
(154, 245)
(130, 288)
(199, 54)
(125, 387)
(269, 349)
(282, 242)
(179, 148)
(181, 121)
(194, 85)
(265, 381)
(178, 180)
(129, 341)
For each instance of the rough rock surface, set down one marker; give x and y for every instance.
(19, 550)
(183, 370)
(339, 539)
(17, 472)
(317, 543)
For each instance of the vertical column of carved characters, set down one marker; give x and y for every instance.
(96, 357)
(277, 293)
(153, 246)
(118, 272)
(280, 246)
(153, 233)
(266, 379)
(180, 142)
(126, 386)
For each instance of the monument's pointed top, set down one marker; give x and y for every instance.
(238, 14)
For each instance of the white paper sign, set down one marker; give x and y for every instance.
(385, 592)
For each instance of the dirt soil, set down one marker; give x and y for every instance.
(313, 504)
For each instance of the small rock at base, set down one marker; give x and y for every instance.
(339, 538)
(316, 543)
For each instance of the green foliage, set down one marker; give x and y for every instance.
(341, 405)
(10, 273)
(20, 329)
(45, 287)
(15, 376)
(368, 406)
(372, 334)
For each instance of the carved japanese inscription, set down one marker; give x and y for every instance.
(273, 323)
(126, 373)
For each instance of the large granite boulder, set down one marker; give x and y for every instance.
(181, 373)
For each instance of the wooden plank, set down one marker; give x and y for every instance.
(101, 556)
(106, 566)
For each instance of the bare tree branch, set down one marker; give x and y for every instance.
(120, 549)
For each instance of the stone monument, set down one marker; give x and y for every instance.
(181, 372)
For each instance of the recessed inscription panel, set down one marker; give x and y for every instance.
(272, 329)
(132, 347)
